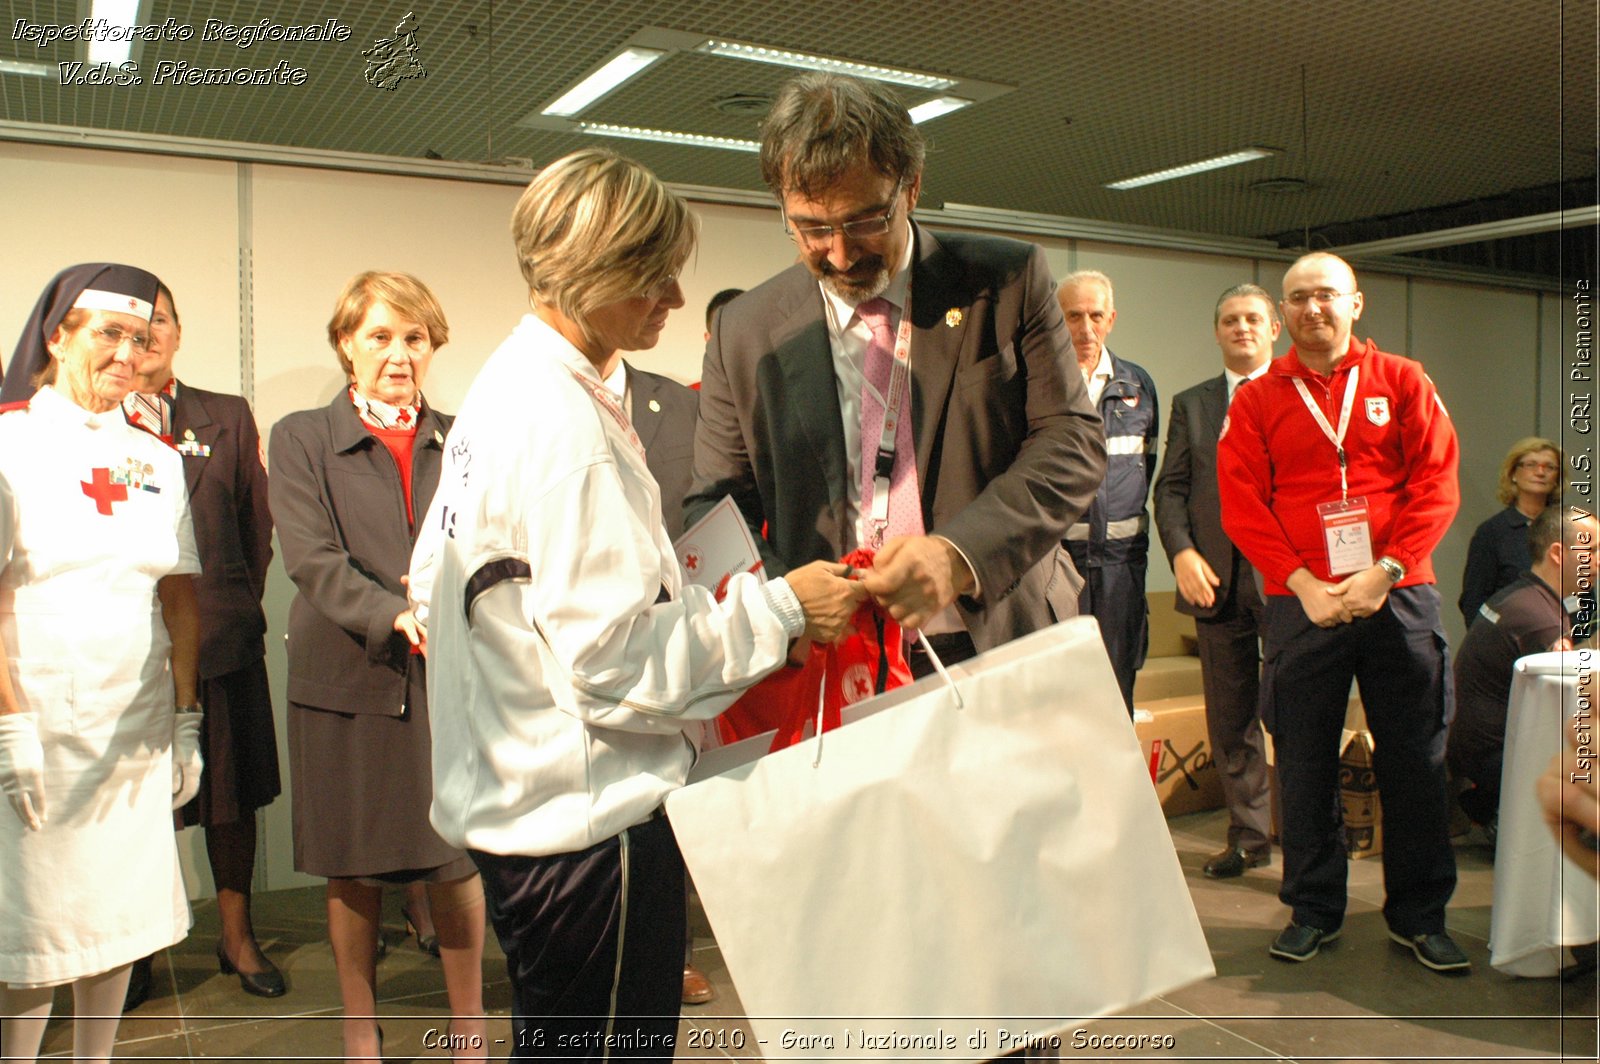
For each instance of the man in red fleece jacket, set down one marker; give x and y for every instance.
(1337, 471)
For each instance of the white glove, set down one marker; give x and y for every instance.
(22, 767)
(186, 760)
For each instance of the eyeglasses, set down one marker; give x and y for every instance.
(816, 237)
(1322, 297)
(112, 337)
(1542, 467)
(658, 291)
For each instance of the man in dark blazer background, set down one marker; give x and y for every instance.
(663, 415)
(1007, 450)
(1216, 585)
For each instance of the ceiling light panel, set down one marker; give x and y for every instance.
(939, 105)
(619, 68)
(804, 61)
(1171, 173)
(667, 136)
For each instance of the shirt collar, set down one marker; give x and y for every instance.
(55, 404)
(1236, 379)
(1103, 368)
(617, 383)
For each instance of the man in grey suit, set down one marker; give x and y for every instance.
(1216, 585)
(803, 411)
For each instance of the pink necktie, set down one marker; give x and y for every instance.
(905, 501)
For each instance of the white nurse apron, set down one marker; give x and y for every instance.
(99, 514)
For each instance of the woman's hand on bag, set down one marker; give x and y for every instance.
(828, 598)
(406, 624)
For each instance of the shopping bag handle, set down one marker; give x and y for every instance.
(938, 666)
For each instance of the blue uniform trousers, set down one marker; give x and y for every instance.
(1399, 660)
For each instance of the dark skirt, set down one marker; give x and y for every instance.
(240, 746)
(362, 784)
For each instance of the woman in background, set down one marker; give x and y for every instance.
(216, 437)
(350, 482)
(1530, 479)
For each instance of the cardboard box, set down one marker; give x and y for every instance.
(1178, 750)
(1358, 796)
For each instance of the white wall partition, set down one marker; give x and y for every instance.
(256, 253)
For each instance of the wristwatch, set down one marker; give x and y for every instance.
(1394, 569)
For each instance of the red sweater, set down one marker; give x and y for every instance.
(1275, 465)
(399, 443)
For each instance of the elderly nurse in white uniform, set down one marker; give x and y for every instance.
(99, 639)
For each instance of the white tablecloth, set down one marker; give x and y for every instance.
(1542, 901)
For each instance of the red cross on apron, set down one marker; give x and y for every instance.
(103, 492)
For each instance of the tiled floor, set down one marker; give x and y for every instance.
(1362, 999)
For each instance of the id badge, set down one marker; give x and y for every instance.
(1348, 533)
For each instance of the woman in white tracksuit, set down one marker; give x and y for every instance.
(567, 654)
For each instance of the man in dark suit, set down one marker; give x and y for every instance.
(1216, 585)
(804, 398)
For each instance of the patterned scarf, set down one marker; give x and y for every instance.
(380, 415)
(152, 412)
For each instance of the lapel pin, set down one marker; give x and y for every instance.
(438, 437)
(952, 317)
(188, 434)
(655, 406)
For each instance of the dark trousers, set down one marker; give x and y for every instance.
(1399, 660)
(594, 946)
(951, 648)
(1114, 594)
(1230, 668)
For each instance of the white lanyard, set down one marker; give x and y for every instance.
(899, 373)
(1327, 429)
(608, 403)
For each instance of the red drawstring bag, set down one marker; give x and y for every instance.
(868, 661)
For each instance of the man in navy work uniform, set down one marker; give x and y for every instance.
(1110, 544)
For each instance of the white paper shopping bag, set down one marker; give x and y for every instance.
(932, 872)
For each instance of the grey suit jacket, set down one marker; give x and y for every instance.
(1009, 451)
(232, 524)
(1188, 505)
(341, 515)
(663, 416)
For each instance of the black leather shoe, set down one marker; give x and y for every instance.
(1233, 861)
(1438, 951)
(267, 984)
(138, 984)
(1297, 942)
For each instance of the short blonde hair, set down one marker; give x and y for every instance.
(1507, 491)
(406, 295)
(594, 228)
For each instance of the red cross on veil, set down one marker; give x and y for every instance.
(103, 492)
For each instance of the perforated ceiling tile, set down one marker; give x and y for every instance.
(1408, 106)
